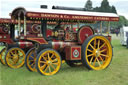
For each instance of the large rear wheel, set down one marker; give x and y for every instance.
(48, 62)
(15, 57)
(96, 52)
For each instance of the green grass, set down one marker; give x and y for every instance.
(115, 74)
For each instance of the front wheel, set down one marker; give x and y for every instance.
(96, 52)
(48, 62)
(30, 59)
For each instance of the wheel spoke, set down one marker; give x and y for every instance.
(49, 57)
(98, 61)
(103, 50)
(11, 53)
(52, 66)
(52, 55)
(34, 67)
(32, 57)
(54, 60)
(46, 68)
(55, 63)
(90, 55)
(102, 46)
(42, 62)
(91, 59)
(98, 44)
(104, 55)
(42, 67)
(15, 52)
(32, 64)
(92, 47)
(44, 58)
(94, 62)
(49, 69)
(89, 50)
(101, 58)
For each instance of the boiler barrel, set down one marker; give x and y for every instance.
(68, 8)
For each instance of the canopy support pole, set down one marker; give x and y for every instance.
(19, 25)
(101, 27)
(24, 26)
(108, 27)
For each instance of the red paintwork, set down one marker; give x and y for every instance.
(61, 44)
(8, 41)
(25, 44)
(3, 30)
(73, 53)
(70, 17)
(84, 33)
(49, 32)
(8, 21)
(38, 40)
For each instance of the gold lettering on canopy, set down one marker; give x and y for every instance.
(70, 17)
(33, 15)
(50, 15)
(82, 17)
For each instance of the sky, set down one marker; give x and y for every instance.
(6, 6)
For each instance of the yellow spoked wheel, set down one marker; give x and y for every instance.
(96, 52)
(15, 57)
(48, 62)
(30, 59)
(2, 55)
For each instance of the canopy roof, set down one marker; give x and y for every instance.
(69, 15)
(11, 21)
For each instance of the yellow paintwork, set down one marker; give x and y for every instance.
(2, 55)
(15, 58)
(96, 62)
(33, 60)
(51, 62)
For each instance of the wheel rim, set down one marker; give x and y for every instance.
(49, 62)
(15, 58)
(31, 59)
(2, 55)
(98, 53)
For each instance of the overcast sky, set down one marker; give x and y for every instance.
(6, 6)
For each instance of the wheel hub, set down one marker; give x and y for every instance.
(15, 57)
(49, 62)
(97, 53)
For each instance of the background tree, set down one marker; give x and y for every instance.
(88, 6)
(113, 10)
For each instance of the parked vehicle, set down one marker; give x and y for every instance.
(60, 42)
(13, 50)
(123, 35)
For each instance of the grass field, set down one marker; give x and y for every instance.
(115, 74)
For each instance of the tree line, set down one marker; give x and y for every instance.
(105, 7)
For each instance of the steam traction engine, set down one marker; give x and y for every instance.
(67, 40)
(13, 52)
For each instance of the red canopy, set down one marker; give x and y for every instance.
(63, 15)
